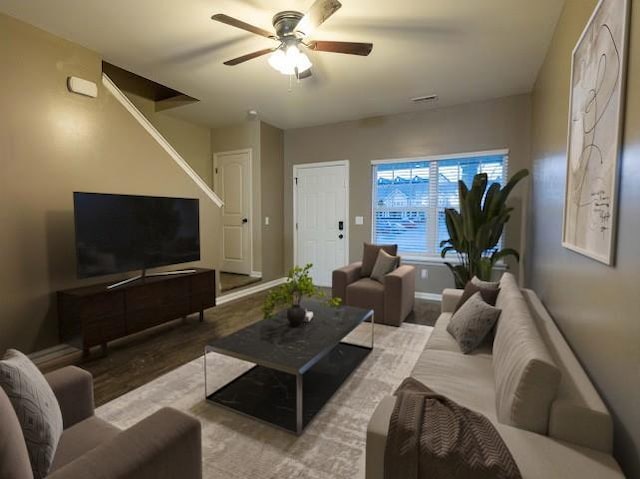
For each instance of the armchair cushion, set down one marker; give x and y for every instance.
(165, 445)
(36, 407)
(370, 255)
(368, 294)
(73, 387)
(82, 438)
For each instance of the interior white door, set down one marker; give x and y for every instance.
(321, 220)
(233, 184)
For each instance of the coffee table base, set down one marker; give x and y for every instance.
(273, 396)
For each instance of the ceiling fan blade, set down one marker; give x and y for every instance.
(317, 15)
(348, 48)
(305, 74)
(234, 22)
(248, 56)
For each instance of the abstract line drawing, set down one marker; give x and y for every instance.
(598, 72)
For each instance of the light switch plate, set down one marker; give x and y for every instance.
(359, 220)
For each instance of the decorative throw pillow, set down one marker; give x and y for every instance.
(472, 322)
(370, 255)
(489, 295)
(385, 264)
(36, 407)
(485, 284)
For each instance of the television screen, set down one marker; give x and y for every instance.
(118, 233)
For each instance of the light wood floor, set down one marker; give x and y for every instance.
(132, 363)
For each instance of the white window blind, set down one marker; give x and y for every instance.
(409, 198)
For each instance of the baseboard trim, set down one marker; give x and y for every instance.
(256, 274)
(235, 295)
(429, 296)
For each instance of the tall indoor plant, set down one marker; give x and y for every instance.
(475, 230)
(299, 284)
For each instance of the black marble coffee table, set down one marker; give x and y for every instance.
(296, 371)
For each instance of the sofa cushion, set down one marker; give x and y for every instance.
(14, 458)
(368, 294)
(36, 407)
(370, 255)
(82, 438)
(385, 264)
(467, 380)
(471, 323)
(526, 376)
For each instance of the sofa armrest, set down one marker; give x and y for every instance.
(165, 445)
(399, 294)
(450, 299)
(377, 432)
(73, 388)
(343, 277)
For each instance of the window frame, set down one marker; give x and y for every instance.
(432, 213)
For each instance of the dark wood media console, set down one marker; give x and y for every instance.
(94, 315)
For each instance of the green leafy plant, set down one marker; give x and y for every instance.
(299, 284)
(475, 230)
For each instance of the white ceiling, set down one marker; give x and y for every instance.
(463, 50)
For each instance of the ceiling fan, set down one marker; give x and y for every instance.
(292, 29)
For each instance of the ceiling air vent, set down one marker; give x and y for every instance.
(425, 99)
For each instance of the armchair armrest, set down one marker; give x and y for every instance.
(399, 294)
(165, 445)
(73, 388)
(450, 299)
(343, 277)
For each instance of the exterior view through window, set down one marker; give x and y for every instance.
(410, 196)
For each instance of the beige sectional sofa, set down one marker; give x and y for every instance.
(527, 382)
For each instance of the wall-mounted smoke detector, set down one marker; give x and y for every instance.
(425, 99)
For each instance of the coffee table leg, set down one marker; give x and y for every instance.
(299, 393)
(372, 329)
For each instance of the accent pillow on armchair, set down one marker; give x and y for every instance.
(370, 256)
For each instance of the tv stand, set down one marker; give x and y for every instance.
(144, 274)
(94, 315)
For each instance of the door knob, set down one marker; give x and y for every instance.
(245, 220)
(340, 236)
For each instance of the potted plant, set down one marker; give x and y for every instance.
(299, 285)
(475, 230)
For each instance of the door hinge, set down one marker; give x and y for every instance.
(216, 171)
(296, 178)
(296, 226)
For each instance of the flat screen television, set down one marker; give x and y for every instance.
(120, 233)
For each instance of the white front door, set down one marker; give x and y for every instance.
(321, 219)
(233, 184)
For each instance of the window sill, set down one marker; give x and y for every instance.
(438, 261)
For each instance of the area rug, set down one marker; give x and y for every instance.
(237, 447)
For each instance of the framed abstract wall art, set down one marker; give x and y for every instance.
(598, 74)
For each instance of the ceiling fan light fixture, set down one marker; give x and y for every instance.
(287, 62)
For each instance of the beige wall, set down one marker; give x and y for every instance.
(240, 137)
(501, 123)
(596, 306)
(191, 141)
(51, 144)
(272, 158)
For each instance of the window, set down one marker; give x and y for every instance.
(409, 197)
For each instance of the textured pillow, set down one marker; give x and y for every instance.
(489, 295)
(14, 459)
(385, 264)
(472, 322)
(370, 255)
(485, 284)
(36, 407)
